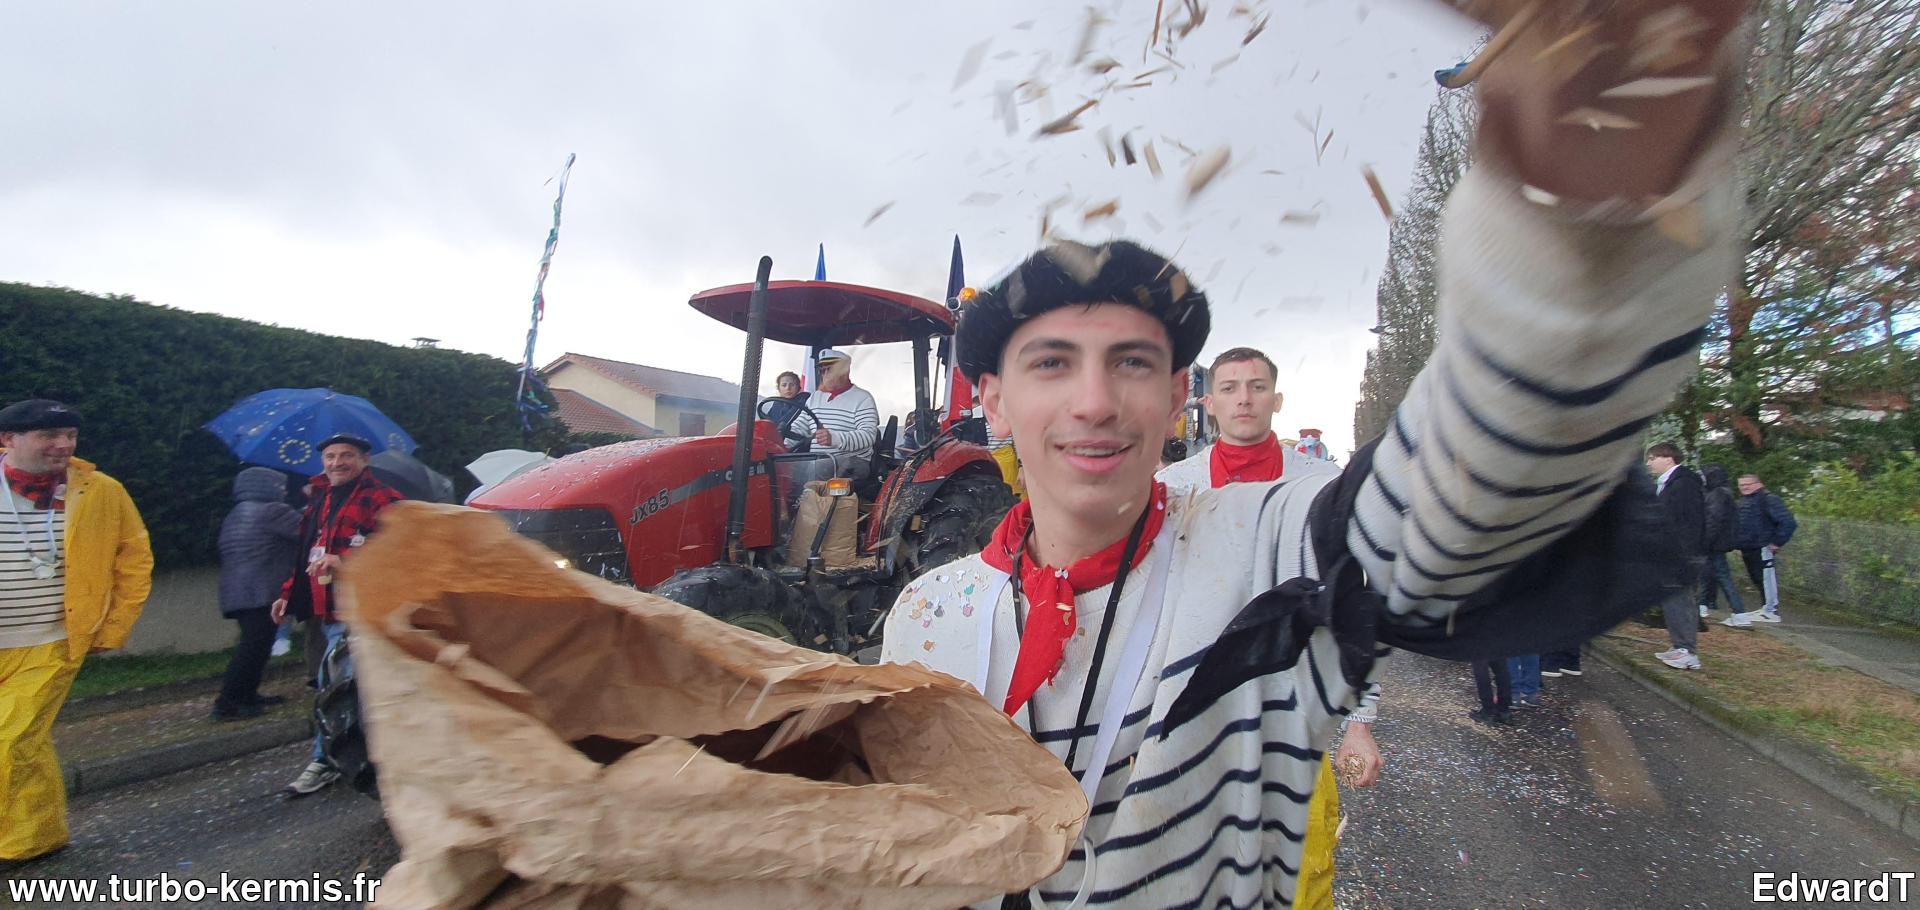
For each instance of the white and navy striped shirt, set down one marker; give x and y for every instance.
(1559, 341)
(32, 610)
(851, 417)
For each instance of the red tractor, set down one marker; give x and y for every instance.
(711, 521)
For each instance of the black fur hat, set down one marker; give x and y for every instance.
(1065, 273)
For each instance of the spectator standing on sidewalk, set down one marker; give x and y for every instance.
(346, 502)
(1766, 524)
(1722, 528)
(1679, 492)
(259, 539)
(75, 569)
(1494, 683)
(1524, 675)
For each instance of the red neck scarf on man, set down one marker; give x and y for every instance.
(38, 487)
(1264, 460)
(1052, 619)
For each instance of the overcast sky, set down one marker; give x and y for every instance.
(380, 170)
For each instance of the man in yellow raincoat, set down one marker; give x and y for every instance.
(75, 568)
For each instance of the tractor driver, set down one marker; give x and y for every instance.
(848, 420)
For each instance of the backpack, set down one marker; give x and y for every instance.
(1723, 521)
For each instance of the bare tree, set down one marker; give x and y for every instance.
(1821, 319)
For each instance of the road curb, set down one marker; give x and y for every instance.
(147, 764)
(1838, 781)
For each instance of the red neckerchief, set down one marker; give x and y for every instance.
(1264, 460)
(41, 488)
(836, 393)
(1051, 592)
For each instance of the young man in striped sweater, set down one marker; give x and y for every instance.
(1190, 657)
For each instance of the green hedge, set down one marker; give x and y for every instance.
(146, 377)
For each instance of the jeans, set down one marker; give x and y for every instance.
(241, 685)
(1524, 672)
(335, 631)
(1494, 685)
(1718, 577)
(1682, 612)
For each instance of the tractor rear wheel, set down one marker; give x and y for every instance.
(747, 597)
(957, 522)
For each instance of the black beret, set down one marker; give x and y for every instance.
(1064, 273)
(357, 442)
(37, 414)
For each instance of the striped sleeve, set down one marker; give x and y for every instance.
(1559, 341)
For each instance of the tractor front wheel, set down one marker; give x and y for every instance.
(958, 521)
(747, 597)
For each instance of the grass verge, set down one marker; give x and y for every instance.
(1771, 688)
(108, 674)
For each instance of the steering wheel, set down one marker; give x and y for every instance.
(801, 442)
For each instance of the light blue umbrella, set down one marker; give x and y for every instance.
(281, 428)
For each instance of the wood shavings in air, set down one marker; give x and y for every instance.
(1066, 124)
(1300, 218)
(1103, 65)
(876, 214)
(1105, 135)
(1087, 33)
(1226, 62)
(1103, 210)
(1126, 150)
(1205, 168)
(1153, 160)
(1152, 222)
(1379, 192)
(1657, 87)
(970, 64)
(1596, 119)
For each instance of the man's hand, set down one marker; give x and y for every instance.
(821, 436)
(1772, 548)
(1600, 101)
(1358, 760)
(325, 565)
(279, 612)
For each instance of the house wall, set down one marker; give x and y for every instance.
(670, 409)
(635, 404)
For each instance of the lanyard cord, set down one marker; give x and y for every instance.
(53, 545)
(1106, 628)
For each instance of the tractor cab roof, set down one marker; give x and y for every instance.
(826, 314)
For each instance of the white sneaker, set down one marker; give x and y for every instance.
(1682, 659)
(1669, 654)
(280, 647)
(318, 776)
(1738, 621)
(1766, 616)
(1704, 610)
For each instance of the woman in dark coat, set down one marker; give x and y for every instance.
(258, 541)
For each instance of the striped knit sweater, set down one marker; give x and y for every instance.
(1559, 340)
(851, 417)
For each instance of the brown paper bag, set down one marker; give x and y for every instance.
(545, 738)
(840, 549)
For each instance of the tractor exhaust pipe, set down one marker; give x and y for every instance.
(743, 422)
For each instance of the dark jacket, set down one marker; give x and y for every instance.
(350, 523)
(1686, 511)
(1764, 521)
(1721, 521)
(258, 540)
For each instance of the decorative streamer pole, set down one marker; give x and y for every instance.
(526, 400)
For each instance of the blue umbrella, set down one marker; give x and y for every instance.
(279, 428)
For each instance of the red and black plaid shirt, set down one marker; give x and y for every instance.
(353, 519)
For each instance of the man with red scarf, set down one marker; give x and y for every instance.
(75, 569)
(1189, 658)
(345, 503)
(1243, 396)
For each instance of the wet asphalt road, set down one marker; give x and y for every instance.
(224, 817)
(1606, 797)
